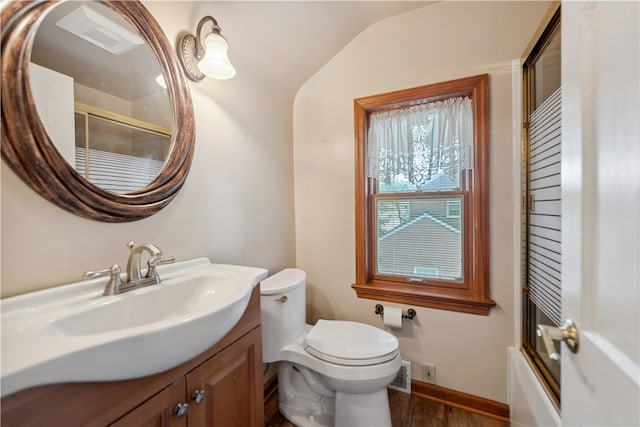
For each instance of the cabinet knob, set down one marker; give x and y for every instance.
(198, 396)
(181, 409)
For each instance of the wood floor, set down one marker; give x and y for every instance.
(406, 411)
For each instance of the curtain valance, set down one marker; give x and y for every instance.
(419, 143)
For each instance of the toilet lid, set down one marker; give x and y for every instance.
(281, 282)
(350, 343)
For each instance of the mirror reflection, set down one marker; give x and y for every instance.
(100, 93)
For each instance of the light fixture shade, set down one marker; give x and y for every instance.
(160, 81)
(215, 62)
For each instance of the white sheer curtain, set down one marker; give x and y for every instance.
(419, 143)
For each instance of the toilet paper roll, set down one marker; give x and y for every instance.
(392, 317)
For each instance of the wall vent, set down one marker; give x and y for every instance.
(402, 381)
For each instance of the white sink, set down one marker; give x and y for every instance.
(72, 333)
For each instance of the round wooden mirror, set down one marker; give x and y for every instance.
(27, 146)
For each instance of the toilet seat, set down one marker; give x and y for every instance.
(350, 343)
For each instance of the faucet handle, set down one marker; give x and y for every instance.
(155, 261)
(114, 278)
(114, 269)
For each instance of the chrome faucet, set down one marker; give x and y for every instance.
(135, 278)
(134, 269)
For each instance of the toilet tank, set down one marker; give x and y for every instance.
(283, 311)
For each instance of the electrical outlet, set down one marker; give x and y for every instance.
(429, 373)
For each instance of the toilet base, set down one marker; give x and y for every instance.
(363, 410)
(299, 403)
(301, 419)
(308, 403)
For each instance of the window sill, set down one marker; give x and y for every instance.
(444, 299)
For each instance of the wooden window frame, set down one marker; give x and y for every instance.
(471, 295)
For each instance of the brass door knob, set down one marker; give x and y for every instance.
(568, 333)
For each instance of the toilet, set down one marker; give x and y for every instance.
(335, 373)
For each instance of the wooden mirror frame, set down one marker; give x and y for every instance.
(28, 150)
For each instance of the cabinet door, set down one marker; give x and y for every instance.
(232, 386)
(159, 411)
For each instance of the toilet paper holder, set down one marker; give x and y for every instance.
(411, 313)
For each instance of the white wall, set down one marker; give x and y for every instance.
(96, 98)
(236, 205)
(445, 41)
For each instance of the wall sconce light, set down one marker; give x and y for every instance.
(210, 59)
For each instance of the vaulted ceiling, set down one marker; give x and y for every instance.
(281, 43)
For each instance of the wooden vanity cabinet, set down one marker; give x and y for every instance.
(229, 374)
(157, 411)
(228, 381)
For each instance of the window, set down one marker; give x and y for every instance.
(422, 210)
(453, 208)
